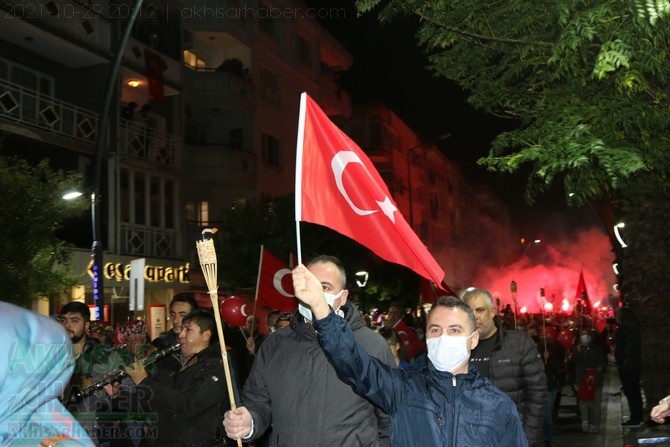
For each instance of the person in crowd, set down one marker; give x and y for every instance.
(445, 403)
(93, 362)
(128, 111)
(661, 411)
(271, 319)
(589, 357)
(294, 389)
(189, 400)
(283, 320)
(102, 331)
(512, 362)
(180, 306)
(394, 314)
(37, 364)
(254, 336)
(393, 340)
(553, 356)
(628, 358)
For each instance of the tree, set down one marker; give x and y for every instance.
(34, 261)
(587, 83)
(270, 221)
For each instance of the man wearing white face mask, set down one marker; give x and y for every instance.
(447, 403)
(293, 388)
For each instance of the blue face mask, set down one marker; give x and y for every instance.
(585, 339)
(330, 299)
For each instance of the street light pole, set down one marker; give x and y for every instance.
(444, 136)
(100, 142)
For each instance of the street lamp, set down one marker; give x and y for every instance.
(444, 136)
(362, 278)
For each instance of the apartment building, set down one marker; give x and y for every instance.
(203, 113)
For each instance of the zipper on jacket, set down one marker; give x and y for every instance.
(454, 425)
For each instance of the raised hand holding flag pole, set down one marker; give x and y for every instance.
(208, 263)
(337, 186)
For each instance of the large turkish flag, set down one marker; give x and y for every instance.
(337, 186)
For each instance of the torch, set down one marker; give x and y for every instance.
(207, 255)
(512, 287)
(544, 329)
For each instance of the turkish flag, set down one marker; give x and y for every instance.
(587, 387)
(428, 291)
(582, 294)
(154, 66)
(411, 343)
(337, 186)
(275, 284)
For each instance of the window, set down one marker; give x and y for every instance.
(192, 60)
(304, 50)
(270, 89)
(203, 214)
(271, 151)
(146, 200)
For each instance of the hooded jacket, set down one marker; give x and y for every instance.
(294, 389)
(35, 366)
(428, 408)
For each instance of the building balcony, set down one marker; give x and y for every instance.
(139, 142)
(217, 89)
(143, 241)
(28, 108)
(60, 30)
(334, 99)
(222, 165)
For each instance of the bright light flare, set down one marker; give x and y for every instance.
(523, 310)
(548, 307)
(565, 306)
(72, 195)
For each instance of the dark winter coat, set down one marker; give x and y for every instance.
(428, 408)
(517, 369)
(293, 388)
(189, 401)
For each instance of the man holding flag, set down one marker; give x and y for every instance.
(294, 389)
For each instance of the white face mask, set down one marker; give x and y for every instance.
(448, 352)
(306, 312)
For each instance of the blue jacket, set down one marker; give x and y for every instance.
(427, 407)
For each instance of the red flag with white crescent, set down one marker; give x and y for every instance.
(337, 186)
(275, 285)
(411, 343)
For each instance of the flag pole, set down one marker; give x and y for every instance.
(258, 283)
(298, 172)
(208, 262)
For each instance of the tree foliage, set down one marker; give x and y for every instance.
(34, 261)
(587, 82)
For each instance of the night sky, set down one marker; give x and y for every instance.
(389, 68)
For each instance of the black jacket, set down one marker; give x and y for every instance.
(189, 401)
(294, 389)
(517, 369)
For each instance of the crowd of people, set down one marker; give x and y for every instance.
(327, 376)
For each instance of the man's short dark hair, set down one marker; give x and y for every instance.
(322, 259)
(205, 320)
(185, 297)
(453, 302)
(77, 307)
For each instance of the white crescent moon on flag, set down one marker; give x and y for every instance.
(243, 310)
(338, 165)
(276, 281)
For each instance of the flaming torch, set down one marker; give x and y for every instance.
(207, 255)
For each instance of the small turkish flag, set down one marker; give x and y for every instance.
(411, 343)
(337, 186)
(275, 284)
(154, 66)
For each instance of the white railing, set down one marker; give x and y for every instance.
(142, 142)
(143, 241)
(31, 108)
